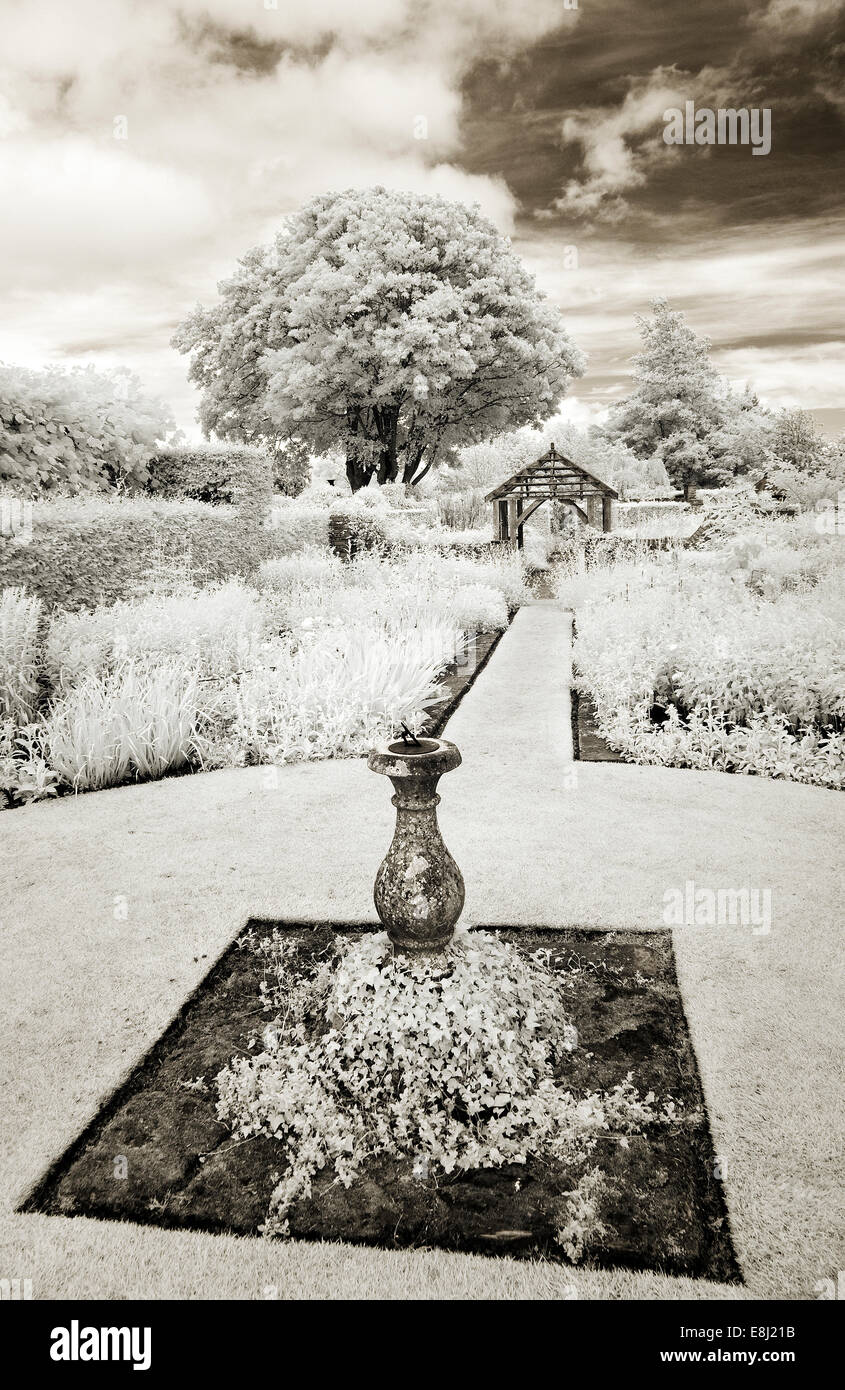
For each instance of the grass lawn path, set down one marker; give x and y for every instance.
(120, 900)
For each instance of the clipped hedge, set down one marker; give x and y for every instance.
(94, 551)
(227, 473)
(298, 525)
(354, 527)
(216, 473)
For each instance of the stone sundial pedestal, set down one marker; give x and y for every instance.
(419, 889)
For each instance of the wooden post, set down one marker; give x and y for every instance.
(593, 509)
(514, 536)
(607, 513)
(501, 512)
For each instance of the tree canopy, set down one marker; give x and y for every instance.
(395, 327)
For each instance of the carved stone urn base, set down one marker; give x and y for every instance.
(419, 889)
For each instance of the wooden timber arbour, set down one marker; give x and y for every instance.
(552, 478)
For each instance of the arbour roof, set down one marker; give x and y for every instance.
(553, 475)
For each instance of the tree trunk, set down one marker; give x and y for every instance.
(418, 477)
(388, 468)
(387, 425)
(357, 471)
(414, 458)
(359, 474)
(409, 474)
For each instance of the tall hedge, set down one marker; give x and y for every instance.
(223, 472)
(86, 552)
(226, 473)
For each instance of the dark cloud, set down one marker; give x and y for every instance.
(715, 53)
(550, 117)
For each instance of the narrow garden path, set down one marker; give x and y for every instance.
(123, 898)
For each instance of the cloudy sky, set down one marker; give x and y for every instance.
(145, 146)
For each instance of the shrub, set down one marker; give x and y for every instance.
(744, 682)
(807, 490)
(398, 593)
(593, 549)
(228, 473)
(212, 631)
(466, 543)
(476, 608)
(304, 572)
(298, 525)
(76, 431)
(398, 497)
(20, 615)
(354, 525)
(463, 511)
(326, 658)
(656, 518)
(129, 723)
(91, 551)
(334, 695)
(502, 570)
(447, 1062)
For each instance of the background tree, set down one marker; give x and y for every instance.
(798, 441)
(393, 326)
(677, 403)
(480, 467)
(744, 444)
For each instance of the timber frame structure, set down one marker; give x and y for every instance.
(552, 478)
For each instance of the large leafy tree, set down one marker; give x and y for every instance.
(392, 326)
(677, 403)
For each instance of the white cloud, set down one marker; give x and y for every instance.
(791, 19)
(614, 159)
(235, 115)
(787, 283)
(810, 377)
(99, 208)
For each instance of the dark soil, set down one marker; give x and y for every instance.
(663, 1207)
(587, 743)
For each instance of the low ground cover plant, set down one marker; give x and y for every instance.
(733, 659)
(131, 723)
(449, 1064)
